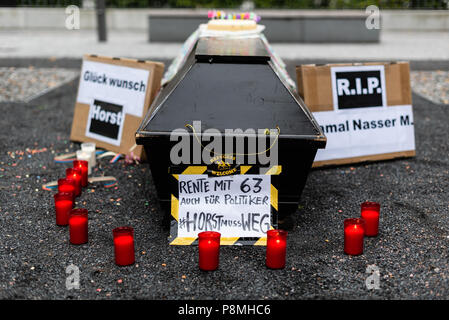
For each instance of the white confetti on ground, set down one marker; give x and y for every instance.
(25, 84)
(432, 85)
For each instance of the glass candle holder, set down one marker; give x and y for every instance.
(124, 246)
(75, 174)
(63, 206)
(83, 155)
(67, 186)
(83, 165)
(90, 148)
(276, 249)
(209, 250)
(370, 212)
(78, 226)
(354, 229)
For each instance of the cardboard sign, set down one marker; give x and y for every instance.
(113, 96)
(364, 110)
(242, 207)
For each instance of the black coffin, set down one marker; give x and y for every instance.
(232, 84)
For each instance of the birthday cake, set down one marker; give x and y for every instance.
(231, 25)
(221, 21)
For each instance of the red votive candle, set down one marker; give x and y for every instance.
(63, 206)
(209, 250)
(84, 166)
(124, 245)
(354, 233)
(78, 226)
(276, 249)
(75, 174)
(370, 213)
(67, 186)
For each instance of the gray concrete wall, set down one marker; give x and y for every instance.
(172, 29)
(137, 19)
(419, 20)
(320, 29)
(278, 29)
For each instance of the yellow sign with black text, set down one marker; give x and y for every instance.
(242, 206)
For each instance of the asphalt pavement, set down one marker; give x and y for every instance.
(411, 251)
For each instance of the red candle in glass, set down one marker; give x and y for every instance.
(370, 213)
(84, 166)
(78, 226)
(63, 206)
(276, 249)
(124, 246)
(209, 250)
(67, 186)
(75, 174)
(354, 229)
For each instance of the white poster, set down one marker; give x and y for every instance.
(366, 131)
(117, 83)
(235, 206)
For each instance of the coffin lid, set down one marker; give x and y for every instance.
(230, 84)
